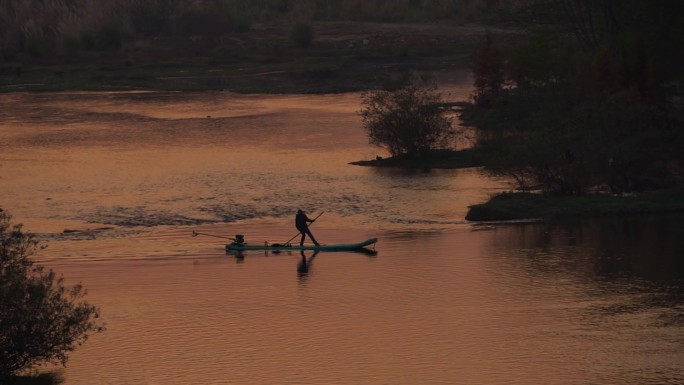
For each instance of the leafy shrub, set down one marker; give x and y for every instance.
(408, 121)
(41, 320)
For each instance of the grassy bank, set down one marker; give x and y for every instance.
(342, 57)
(435, 159)
(518, 206)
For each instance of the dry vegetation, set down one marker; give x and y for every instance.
(228, 44)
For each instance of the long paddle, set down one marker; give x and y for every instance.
(295, 236)
(195, 233)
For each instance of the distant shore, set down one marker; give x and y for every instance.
(343, 57)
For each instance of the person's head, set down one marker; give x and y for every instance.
(300, 211)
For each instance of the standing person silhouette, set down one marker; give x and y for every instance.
(302, 224)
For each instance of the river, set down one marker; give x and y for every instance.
(115, 184)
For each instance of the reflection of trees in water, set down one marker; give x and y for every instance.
(630, 265)
(646, 247)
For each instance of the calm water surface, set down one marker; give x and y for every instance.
(131, 175)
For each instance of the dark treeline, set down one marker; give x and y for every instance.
(40, 28)
(592, 99)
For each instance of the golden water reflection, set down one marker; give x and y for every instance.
(130, 176)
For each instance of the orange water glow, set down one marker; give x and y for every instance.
(115, 184)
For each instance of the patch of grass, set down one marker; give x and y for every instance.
(518, 206)
(470, 157)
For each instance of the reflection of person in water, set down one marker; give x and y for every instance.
(302, 224)
(304, 264)
(239, 256)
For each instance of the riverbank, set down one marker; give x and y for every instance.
(520, 206)
(343, 56)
